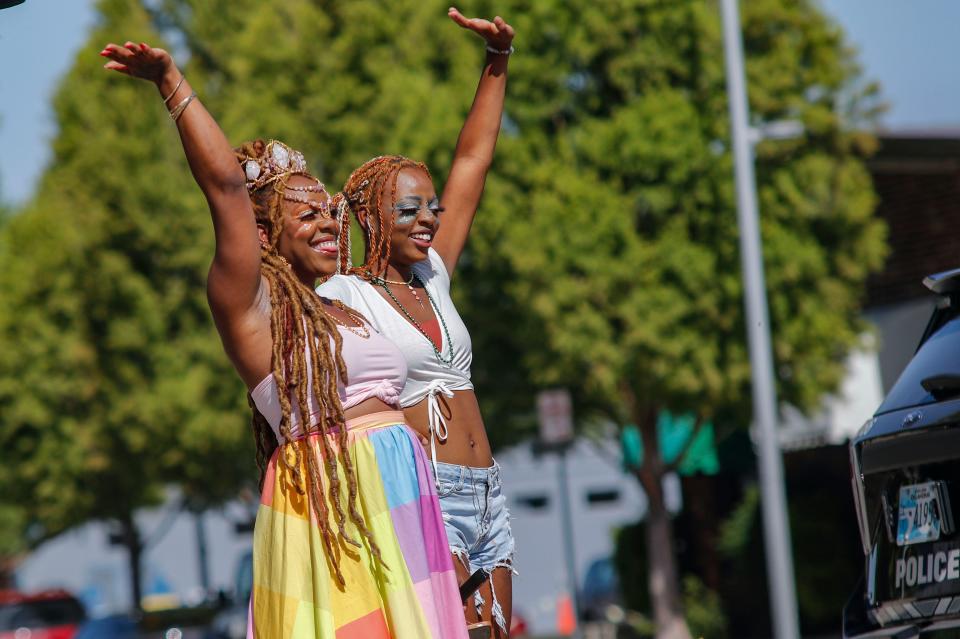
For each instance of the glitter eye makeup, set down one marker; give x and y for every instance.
(406, 212)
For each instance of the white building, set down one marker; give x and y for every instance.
(602, 499)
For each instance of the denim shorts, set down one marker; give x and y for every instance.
(477, 520)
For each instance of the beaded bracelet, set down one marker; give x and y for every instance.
(179, 109)
(500, 51)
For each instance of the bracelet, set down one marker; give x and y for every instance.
(500, 51)
(179, 109)
(175, 89)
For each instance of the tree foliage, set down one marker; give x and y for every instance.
(615, 208)
(112, 381)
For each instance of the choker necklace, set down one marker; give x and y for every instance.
(409, 284)
(446, 361)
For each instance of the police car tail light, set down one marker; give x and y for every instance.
(860, 500)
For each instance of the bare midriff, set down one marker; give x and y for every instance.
(467, 443)
(368, 407)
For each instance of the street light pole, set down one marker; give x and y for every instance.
(555, 415)
(776, 530)
(569, 549)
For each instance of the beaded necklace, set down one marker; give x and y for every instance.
(359, 330)
(408, 284)
(447, 361)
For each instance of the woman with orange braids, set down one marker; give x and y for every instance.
(403, 287)
(349, 540)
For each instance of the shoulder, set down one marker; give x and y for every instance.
(434, 269)
(341, 287)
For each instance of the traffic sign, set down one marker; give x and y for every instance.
(555, 413)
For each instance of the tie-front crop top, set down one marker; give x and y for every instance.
(426, 373)
(375, 368)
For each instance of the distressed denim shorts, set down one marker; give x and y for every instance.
(477, 520)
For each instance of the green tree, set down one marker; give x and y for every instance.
(113, 384)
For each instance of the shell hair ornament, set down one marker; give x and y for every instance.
(277, 163)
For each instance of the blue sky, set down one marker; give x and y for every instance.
(37, 46)
(910, 46)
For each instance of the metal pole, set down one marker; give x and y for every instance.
(776, 531)
(202, 562)
(567, 525)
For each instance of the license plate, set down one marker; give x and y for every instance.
(919, 517)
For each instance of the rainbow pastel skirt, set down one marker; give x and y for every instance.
(295, 591)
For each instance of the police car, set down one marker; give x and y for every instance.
(905, 464)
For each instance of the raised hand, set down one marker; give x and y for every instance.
(138, 61)
(498, 34)
(477, 140)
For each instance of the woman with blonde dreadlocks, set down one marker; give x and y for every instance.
(403, 287)
(349, 540)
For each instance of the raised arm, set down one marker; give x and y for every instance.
(234, 279)
(477, 141)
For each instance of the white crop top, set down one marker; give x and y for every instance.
(425, 372)
(375, 368)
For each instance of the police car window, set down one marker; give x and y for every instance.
(939, 355)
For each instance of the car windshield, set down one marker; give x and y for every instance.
(601, 579)
(40, 614)
(937, 356)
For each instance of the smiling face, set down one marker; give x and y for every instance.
(308, 239)
(416, 216)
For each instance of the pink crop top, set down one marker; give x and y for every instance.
(375, 368)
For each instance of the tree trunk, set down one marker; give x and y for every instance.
(662, 578)
(134, 545)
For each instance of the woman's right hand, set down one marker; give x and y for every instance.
(139, 61)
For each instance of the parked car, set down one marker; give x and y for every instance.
(175, 623)
(906, 479)
(601, 590)
(51, 614)
(113, 627)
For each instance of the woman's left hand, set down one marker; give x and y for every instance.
(498, 34)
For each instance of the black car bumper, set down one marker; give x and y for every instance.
(900, 619)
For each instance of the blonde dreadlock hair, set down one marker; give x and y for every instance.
(298, 322)
(364, 194)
